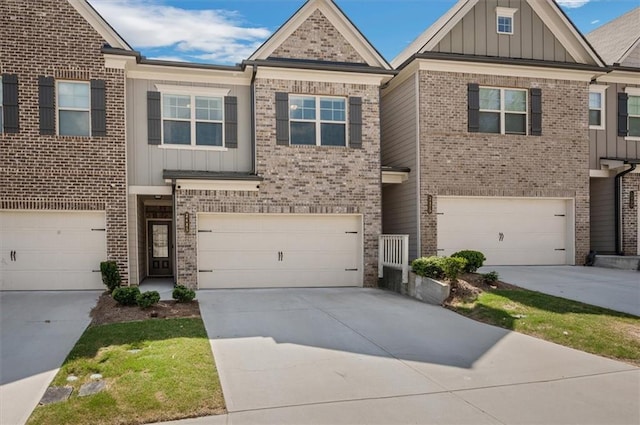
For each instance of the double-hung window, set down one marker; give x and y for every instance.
(318, 120)
(503, 111)
(597, 107)
(634, 115)
(189, 119)
(74, 108)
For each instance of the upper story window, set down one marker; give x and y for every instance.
(192, 120)
(318, 120)
(634, 115)
(74, 108)
(503, 111)
(504, 20)
(597, 102)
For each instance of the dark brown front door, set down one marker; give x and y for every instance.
(159, 247)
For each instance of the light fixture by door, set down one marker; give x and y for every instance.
(187, 222)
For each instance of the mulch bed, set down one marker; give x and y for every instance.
(107, 310)
(469, 286)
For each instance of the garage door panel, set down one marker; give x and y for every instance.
(226, 279)
(63, 239)
(238, 259)
(230, 240)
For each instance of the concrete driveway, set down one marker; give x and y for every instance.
(617, 290)
(348, 355)
(37, 331)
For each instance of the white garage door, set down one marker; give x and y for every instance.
(509, 231)
(254, 251)
(51, 250)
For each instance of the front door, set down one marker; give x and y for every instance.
(159, 247)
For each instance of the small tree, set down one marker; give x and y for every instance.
(110, 275)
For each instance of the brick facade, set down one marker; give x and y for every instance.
(49, 38)
(630, 183)
(455, 162)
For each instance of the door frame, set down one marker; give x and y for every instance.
(171, 246)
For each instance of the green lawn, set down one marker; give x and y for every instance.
(573, 324)
(172, 376)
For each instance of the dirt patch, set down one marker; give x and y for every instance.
(469, 286)
(107, 310)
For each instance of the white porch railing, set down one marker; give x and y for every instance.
(394, 253)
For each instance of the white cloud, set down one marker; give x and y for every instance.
(595, 21)
(217, 36)
(572, 4)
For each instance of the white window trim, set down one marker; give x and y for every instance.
(193, 92)
(318, 121)
(632, 91)
(505, 12)
(502, 110)
(602, 90)
(58, 108)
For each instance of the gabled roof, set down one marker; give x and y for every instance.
(98, 23)
(615, 40)
(337, 18)
(548, 11)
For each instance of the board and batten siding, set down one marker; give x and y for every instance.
(146, 162)
(399, 201)
(606, 143)
(476, 34)
(602, 215)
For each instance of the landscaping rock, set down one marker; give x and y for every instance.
(96, 376)
(91, 388)
(72, 378)
(56, 395)
(134, 351)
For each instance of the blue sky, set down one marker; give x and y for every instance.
(225, 32)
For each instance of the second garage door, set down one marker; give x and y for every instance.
(509, 231)
(262, 251)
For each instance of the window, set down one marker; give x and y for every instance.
(634, 115)
(597, 107)
(316, 120)
(1, 109)
(503, 111)
(74, 106)
(192, 120)
(504, 20)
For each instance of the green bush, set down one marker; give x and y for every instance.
(475, 259)
(453, 266)
(182, 294)
(491, 277)
(428, 267)
(110, 275)
(127, 295)
(147, 299)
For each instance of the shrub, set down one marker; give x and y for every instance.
(110, 275)
(147, 299)
(453, 266)
(182, 294)
(127, 295)
(475, 259)
(428, 267)
(491, 277)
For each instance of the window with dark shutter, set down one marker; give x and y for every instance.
(623, 114)
(231, 122)
(98, 109)
(154, 118)
(473, 91)
(47, 105)
(355, 122)
(10, 111)
(282, 118)
(536, 112)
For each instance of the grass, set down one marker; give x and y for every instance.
(172, 376)
(573, 324)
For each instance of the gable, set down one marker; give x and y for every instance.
(98, 23)
(632, 59)
(317, 39)
(617, 41)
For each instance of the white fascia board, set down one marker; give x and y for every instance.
(119, 61)
(231, 185)
(394, 177)
(406, 73)
(98, 23)
(599, 173)
(149, 190)
(322, 76)
(507, 70)
(191, 75)
(620, 77)
(190, 90)
(448, 26)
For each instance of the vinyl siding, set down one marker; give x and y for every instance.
(602, 215)
(399, 201)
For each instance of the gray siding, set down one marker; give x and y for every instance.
(146, 162)
(633, 60)
(476, 34)
(602, 215)
(399, 201)
(606, 143)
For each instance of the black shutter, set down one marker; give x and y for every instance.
(231, 122)
(47, 105)
(154, 118)
(10, 103)
(536, 112)
(282, 118)
(98, 109)
(623, 114)
(473, 91)
(355, 122)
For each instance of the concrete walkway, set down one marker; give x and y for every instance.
(37, 331)
(344, 356)
(617, 290)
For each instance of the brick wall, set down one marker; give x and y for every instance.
(456, 162)
(48, 37)
(630, 183)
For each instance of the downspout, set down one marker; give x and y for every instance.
(174, 231)
(618, 207)
(253, 120)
